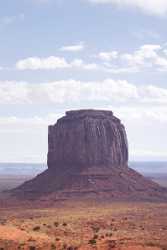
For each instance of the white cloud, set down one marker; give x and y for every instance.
(73, 48)
(72, 92)
(153, 94)
(80, 64)
(108, 56)
(53, 63)
(36, 63)
(151, 7)
(69, 91)
(147, 56)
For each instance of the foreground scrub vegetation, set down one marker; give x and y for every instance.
(85, 226)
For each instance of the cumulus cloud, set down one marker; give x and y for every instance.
(74, 92)
(108, 56)
(73, 48)
(151, 7)
(71, 91)
(53, 63)
(36, 63)
(146, 57)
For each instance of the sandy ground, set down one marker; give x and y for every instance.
(85, 226)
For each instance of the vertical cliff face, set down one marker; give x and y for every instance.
(87, 138)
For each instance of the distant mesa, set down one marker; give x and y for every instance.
(88, 158)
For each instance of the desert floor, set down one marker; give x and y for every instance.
(85, 225)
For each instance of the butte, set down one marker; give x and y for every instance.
(88, 158)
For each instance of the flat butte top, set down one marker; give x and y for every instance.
(89, 113)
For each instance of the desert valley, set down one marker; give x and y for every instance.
(88, 198)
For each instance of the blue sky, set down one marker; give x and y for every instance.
(58, 55)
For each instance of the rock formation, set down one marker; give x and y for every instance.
(87, 138)
(88, 158)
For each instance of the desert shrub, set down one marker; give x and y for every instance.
(56, 224)
(92, 242)
(37, 228)
(111, 225)
(112, 243)
(95, 229)
(64, 246)
(32, 248)
(95, 237)
(21, 245)
(53, 246)
(151, 244)
(64, 224)
(72, 248)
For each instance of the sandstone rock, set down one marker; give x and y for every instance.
(88, 158)
(87, 138)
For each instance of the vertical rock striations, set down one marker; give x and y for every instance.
(87, 138)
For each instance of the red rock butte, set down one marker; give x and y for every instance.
(87, 138)
(88, 158)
